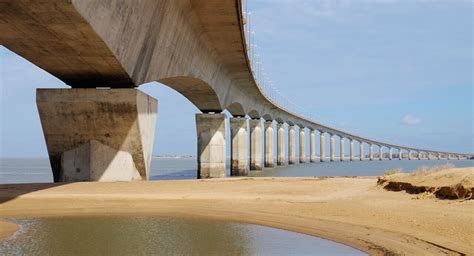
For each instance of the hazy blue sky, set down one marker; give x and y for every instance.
(400, 71)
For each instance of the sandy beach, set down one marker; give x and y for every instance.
(351, 210)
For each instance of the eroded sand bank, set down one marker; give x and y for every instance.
(353, 211)
(7, 229)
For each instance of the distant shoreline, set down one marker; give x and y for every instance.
(351, 211)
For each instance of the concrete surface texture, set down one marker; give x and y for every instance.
(211, 153)
(95, 127)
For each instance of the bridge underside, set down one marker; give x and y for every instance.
(195, 47)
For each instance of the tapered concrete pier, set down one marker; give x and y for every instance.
(380, 153)
(351, 148)
(281, 147)
(390, 154)
(302, 145)
(400, 154)
(211, 137)
(312, 146)
(409, 154)
(239, 153)
(332, 148)
(98, 135)
(256, 144)
(291, 145)
(371, 152)
(269, 145)
(342, 149)
(322, 146)
(361, 151)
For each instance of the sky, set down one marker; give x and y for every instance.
(399, 71)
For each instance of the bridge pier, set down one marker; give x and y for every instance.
(98, 135)
(322, 145)
(291, 145)
(302, 145)
(331, 148)
(341, 149)
(371, 152)
(211, 140)
(239, 153)
(255, 144)
(390, 154)
(400, 154)
(312, 146)
(281, 158)
(380, 152)
(269, 145)
(361, 151)
(351, 149)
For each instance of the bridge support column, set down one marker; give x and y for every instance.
(419, 156)
(342, 149)
(331, 148)
(390, 154)
(239, 152)
(269, 144)
(291, 145)
(322, 145)
(211, 153)
(439, 156)
(361, 151)
(302, 145)
(312, 146)
(281, 158)
(351, 153)
(400, 154)
(98, 135)
(256, 140)
(371, 152)
(380, 153)
(409, 154)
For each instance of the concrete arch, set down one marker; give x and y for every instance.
(267, 117)
(236, 109)
(201, 94)
(254, 114)
(279, 120)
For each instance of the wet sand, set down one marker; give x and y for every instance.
(7, 229)
(352, 211)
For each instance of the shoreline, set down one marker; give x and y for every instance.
(8, 229)
(350, 211)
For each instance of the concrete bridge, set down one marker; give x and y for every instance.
(103, 127)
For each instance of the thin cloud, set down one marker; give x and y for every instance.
(410, 120)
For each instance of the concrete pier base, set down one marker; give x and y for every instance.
(361, 151)
(256, 142)
(281, 158)
(312, 146)
(380, 153)
(351, 149)
(322, 145)
(302, 146)
(269, 145)
(291, 145)
(211, 140)
(239, 153)
(332, 148)
(98, 134)
(371, 152)
(342, 149)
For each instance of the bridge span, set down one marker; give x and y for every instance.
(102, 128)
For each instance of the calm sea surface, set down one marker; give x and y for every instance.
(26, 170)
(176, 236)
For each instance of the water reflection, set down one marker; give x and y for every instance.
(159, 236)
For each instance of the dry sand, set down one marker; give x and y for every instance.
(352, 211)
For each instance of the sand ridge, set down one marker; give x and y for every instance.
(353, 211)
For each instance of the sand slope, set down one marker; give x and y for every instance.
(353, 211)
(445, 184)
